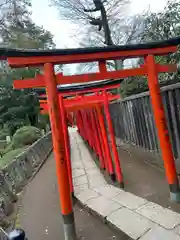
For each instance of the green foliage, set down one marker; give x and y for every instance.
(157, 27)
(9, 156)
(3, 133)
(43, 121)
(9, 148)
(162, 25)
(17, 108)
(133, 85)
(25, 136)
(17, 30)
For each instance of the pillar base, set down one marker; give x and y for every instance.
(113, 177)
(121, 185)
(74, 199)
(69, 232)
(174, 192)
(175, 197)
(103, 169)
(69, 227)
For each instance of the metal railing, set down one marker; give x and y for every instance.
(134, 122)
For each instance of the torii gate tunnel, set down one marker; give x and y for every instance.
(47, 60)
(94, 122)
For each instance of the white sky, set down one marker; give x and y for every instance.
(139, 5)
(48, 17)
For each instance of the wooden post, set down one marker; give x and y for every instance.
(59, 152)
(96, 138)
(66, 142)
(106, 144)
(113, 141)
(102, 155)
(162, 130)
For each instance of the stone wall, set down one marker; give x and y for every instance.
(16, 175)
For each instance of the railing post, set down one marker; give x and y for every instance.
(113, 141)
(59, 152)
(162, 130)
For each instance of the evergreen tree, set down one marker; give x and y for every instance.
(17, 30)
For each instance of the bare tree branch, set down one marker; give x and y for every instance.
(106, 15)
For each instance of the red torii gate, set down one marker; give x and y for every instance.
(80, 102)
(75, 102)
(89, 102)
(47, 59)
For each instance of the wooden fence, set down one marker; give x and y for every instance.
(134, 122)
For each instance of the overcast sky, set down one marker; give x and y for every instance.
(48, 17)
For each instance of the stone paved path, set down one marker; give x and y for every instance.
(40, 213)
(135, 216)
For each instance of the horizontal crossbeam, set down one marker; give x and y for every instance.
(39, 82)
(92, 56)
(80, 102)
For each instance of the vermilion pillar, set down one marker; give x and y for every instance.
(162, 130)
(87, 127)
(59, 152)
(113, 141)
(108, 159)
(99, 140)
(66, 141)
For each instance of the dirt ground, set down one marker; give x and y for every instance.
(145, 180)
(40, 212)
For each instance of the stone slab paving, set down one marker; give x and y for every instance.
(86, 195)
(93, 172)
(129, 200)
(135, 216)
(103, 206)
(163, 216)
(96, 181)
(133, 224)
(159, 233)
(78, 172)
(108, 191)
(80, 188)
(80, 180)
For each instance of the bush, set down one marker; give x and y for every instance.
(25, 136)
(7, 149)
(3, 134)
(9, 156)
